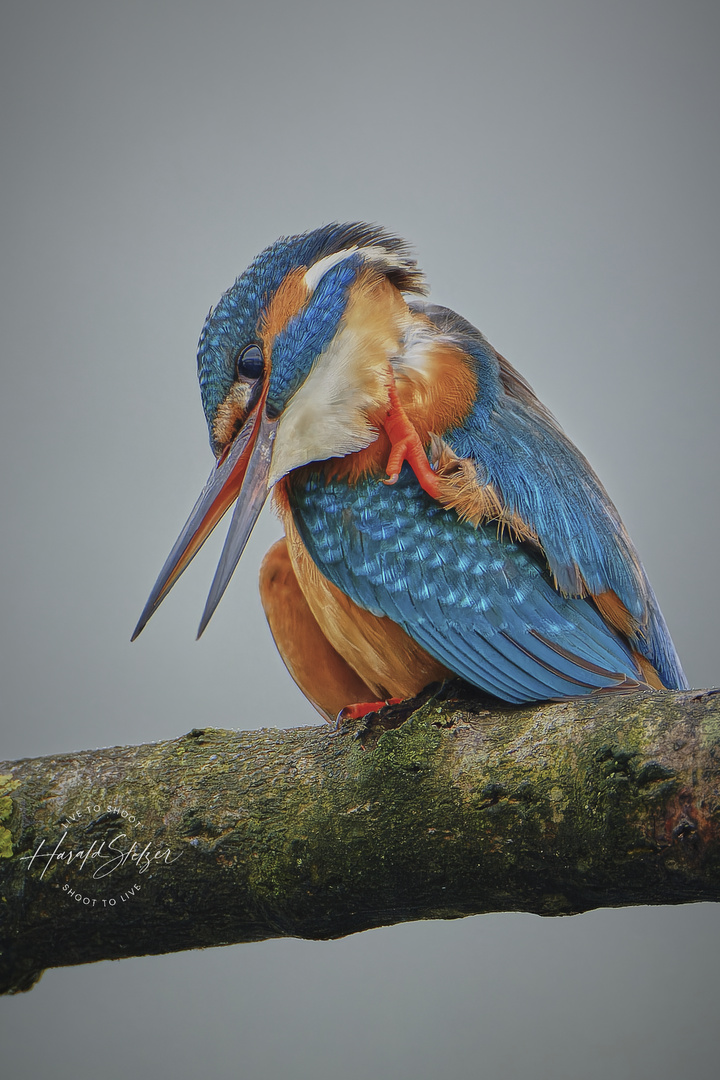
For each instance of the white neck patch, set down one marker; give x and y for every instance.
(372, 254)
(327, 416)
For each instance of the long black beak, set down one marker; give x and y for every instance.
(241, 474)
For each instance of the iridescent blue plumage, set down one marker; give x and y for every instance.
(480, 604)
(520, 448)
(307, 335)
(236, 319)
(505, 562)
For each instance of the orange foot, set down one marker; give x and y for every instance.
(406, 446)
(363, 708)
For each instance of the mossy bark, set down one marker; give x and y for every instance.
(223, 836)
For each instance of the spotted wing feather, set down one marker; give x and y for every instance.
(517, 446)
(484, 606)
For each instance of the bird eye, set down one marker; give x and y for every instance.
(250, 363)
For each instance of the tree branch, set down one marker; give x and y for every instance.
(223, 836)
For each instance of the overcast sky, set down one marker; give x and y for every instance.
(555, 165)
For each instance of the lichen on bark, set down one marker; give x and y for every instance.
(456, 808)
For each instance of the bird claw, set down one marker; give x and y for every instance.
(360, 709)
(406, 446)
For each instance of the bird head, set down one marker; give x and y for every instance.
(294, 365)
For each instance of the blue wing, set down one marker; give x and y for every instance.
(518, 447)
(484, 606)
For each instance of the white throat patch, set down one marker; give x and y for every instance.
(327, 415)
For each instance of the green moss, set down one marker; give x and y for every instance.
(7, 784)
(710, 726)
(366, 806)
(551, 808)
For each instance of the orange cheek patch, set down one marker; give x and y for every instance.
(290, 298)
(231, 414)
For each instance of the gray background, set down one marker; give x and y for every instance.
(555, 165)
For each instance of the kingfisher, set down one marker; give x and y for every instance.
(438, 521)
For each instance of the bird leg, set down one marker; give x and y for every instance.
(406, 446)
(364, 708)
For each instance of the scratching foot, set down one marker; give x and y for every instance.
(406, 446)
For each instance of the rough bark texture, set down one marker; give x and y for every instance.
(224, 836)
